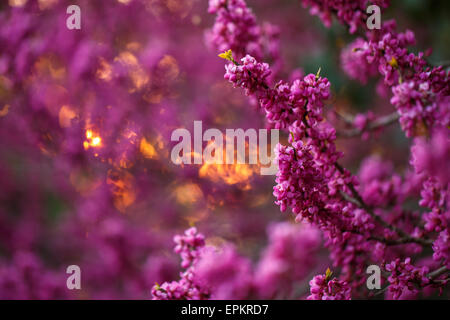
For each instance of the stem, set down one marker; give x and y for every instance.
(389, 242)
(408, 239)
(438, 272)
(376, 124)
(443, 64)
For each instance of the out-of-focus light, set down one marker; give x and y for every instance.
(232, 174)
(92, 140)
(49, 65)
(127, 58)
(46, 4)
(17, 3)
(168, 67)
(66, 114)
(179, 7)
(122, 187)
(4, 111)
(147, 149)
(104, 72)
(188, 194)
(153, 96)
(138, 76)
(96, 141)
(229, 173)
(196, 20)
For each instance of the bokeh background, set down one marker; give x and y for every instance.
(85, 122)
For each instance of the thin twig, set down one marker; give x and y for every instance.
(376, 124)
(438, 272)
(389, 242)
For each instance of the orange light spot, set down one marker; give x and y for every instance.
(153, 96)
(4, 111)
(96, 141)
(104, 72)
(17, 3)
(196, 20)
(138, 76)
(49, 65)
(133, 46)
(229, 173)
(168, 66)
(127, 58)
(45, 4)
(93, 140)
(147, 149)
(179, 7)
(66, 114)
(188, 194)
(122, 188)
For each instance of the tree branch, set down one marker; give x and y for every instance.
(376, 124)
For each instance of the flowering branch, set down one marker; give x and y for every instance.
(316, 188)
(358, 200)
(430, 278)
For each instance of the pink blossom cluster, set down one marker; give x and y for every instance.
(235, 28)
(404, 276)
(429, 155)
(188, 247)
(362, 122)
(225, 273)
(427, 159)
(221, 272)
(354, 61)
(441, 247)
(286, 102)
(27, 278)
(349, 12)
(323, 288)
(419, 92)
(289, 256)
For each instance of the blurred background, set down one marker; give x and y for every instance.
(85, 123)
